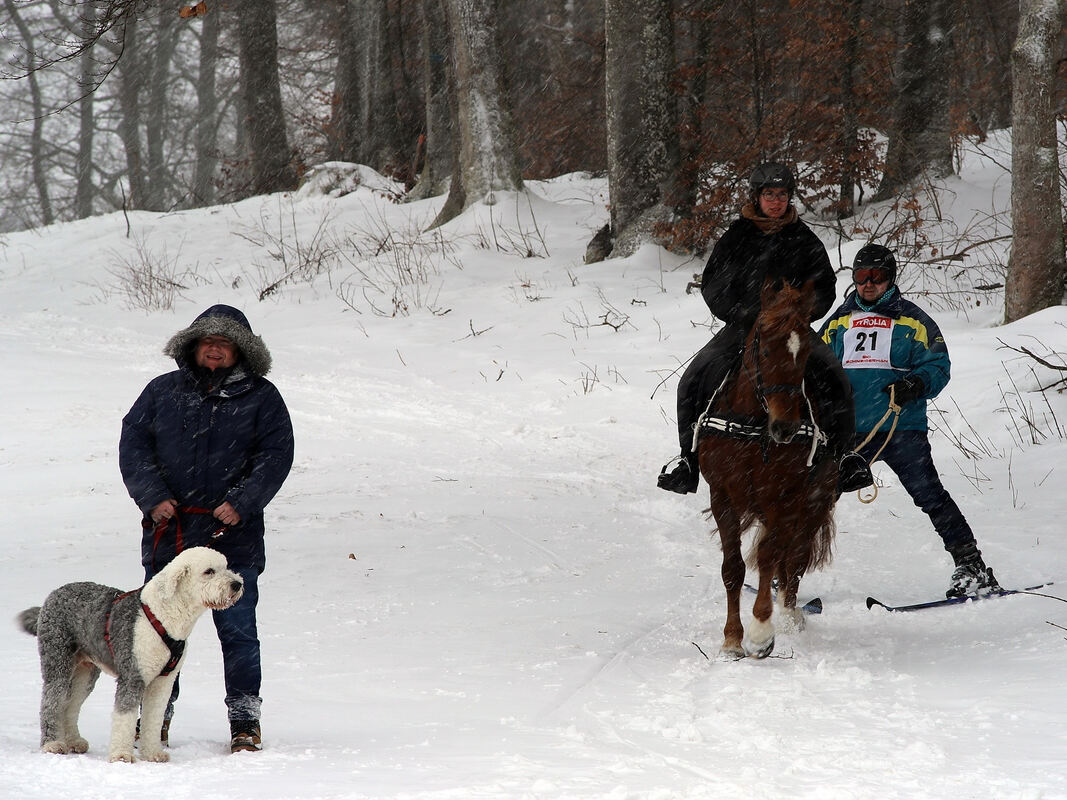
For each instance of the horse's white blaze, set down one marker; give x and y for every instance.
(793, 344)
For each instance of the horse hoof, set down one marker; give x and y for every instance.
(731, 653)
(758, 640)
(762, 650)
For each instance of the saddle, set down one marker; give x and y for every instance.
(739, 426)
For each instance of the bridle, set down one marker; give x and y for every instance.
(775, 388)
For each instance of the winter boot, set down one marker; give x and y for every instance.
(245, 736)
(971, 575)
(853, 473)
(684, 474)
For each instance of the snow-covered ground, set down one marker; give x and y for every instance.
(474, 589)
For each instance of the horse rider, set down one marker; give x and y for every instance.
(769, 238)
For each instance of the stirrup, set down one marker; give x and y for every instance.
(682, 479)
(854, 473)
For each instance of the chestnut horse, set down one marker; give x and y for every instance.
(757, 450)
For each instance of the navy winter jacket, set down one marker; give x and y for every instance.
(204, 446)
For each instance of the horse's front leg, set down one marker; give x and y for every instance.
(759, 637)
(733, 575)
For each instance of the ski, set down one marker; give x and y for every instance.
(813, 606)
(953, 601)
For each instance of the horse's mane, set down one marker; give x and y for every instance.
(788, 309)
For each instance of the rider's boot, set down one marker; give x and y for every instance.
(853, 473)
(681, 474)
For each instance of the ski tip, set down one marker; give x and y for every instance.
(871, 603)
(814, 606)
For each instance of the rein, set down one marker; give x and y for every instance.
(893, 409)
(176, 646)
(741, 428)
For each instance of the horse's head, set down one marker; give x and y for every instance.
(778, 347)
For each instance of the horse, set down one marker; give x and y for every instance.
(758, 451)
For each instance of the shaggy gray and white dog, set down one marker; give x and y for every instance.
(139, 637)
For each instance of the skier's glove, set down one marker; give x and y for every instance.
(906, 389)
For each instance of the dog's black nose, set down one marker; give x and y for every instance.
(236, 586)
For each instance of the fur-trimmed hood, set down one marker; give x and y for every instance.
(221, 320)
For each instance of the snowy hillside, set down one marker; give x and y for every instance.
(474, 589)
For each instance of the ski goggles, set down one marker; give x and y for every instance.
(870, 275)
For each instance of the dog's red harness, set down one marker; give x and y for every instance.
(176, 646)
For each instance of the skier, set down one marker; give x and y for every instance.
(891, 348)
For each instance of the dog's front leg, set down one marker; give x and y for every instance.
(124, 718)
(153, 709)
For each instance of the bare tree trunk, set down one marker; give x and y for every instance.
(162, 51)
(129, 67)
(271, 158)
(345, 145)
(488, 162)
(207, 111)
(437, 151)
(849, 112)
(641, 118)
(83, 168)
(37, 154)
(1037, 265)
(380, 144)
(920, 142)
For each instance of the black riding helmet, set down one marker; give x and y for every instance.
(772, 175)
(876, 255)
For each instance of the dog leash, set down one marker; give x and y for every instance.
(893, 409)
(163, 524)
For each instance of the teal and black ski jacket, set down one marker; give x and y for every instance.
(881, 344)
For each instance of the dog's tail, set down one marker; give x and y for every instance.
(27, 620)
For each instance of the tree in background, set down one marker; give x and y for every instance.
(37, 111)
(810, 82)
(271, 162)
(437, 152)
(487, 160)
(554, 75)
(1037, 267)
(202, 190)
(920, 136)
(641, 111)
(803, 83)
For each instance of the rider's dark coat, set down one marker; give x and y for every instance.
(731, 285)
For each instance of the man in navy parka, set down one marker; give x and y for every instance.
(203, 450)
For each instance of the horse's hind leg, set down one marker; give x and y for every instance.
(796, 555)
(789, 619)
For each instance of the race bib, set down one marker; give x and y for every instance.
(867, 341)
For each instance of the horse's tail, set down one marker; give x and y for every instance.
(822, 543)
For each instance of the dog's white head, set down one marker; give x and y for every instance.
(197, 577)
